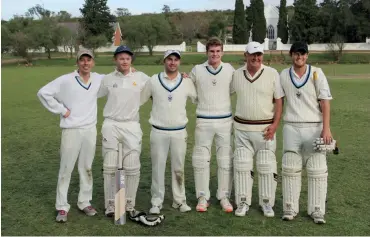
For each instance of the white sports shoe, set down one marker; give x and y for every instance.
(155, 210)
(289, 213)
(203, 204)
(267, 210)
(318, 217)
(109, 211)
(183, 207)
(226, 205)
(242, 209)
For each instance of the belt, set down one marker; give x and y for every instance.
(256, 122)
(168, 129)
(214, 117)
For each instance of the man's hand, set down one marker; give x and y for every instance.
(184, 75)
(67, 114)
(269, 132)
(326, 135)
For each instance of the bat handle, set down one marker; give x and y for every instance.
(120, 157)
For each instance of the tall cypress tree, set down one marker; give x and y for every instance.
(240, 24)
(259, 21)
(282, 26)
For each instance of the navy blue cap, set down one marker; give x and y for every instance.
(301, 47)
(123, 49)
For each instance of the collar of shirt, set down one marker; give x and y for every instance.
(173, 80)
(206, 64)
(256, 74)
(120, 74)
(77, 75)
(296, 77)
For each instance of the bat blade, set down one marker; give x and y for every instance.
(120, 199)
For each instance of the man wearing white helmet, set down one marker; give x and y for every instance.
(257, 116)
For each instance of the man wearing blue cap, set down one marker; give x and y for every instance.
(121, 126)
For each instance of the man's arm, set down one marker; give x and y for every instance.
(103, 89)
(47, 97)
(146, 92)
(193, 75)
(324, 97)
(192, 92)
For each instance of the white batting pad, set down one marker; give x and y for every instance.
(109, 168)
(224, 172)
(267, 176)
(319, 145)
(317, 174)
(131, 166)
(291, 175)
(201, 163)
(243, 175)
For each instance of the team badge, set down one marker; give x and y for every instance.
(170, 97)
(115, 85)
(214, 82)
(298, 94)
(134, 83)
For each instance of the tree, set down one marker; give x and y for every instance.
(302, 25)
(149, 31)
(63, 16)
(6, 42)
(122, 12)
(258, 21)
(282, 26)
(217, 27)
(21, 40)
(240, 24)
(68, 40)
(166, 10)
(46, 30)
(96, 22)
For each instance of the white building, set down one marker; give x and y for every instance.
(272, 19)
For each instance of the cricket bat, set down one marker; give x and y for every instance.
(120, 197)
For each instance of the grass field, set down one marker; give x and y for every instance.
(30, 163)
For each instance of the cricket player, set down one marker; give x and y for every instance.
(169, 92)
(257, 116)
(214, 120)
(74, 97)
(121, 125)
(306, 118)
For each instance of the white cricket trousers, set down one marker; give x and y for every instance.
(161, 143)
(76, 143)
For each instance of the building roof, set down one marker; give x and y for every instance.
(271, 11)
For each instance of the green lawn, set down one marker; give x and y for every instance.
(30, 163)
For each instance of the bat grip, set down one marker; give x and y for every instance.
(120, 157)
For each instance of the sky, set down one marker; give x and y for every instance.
(9, 8)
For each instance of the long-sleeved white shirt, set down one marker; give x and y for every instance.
(70, 92)
(213, 89)
(123, 92)
(169, 100)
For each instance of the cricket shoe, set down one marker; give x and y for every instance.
(318, 217)
(183, 207)
(267, 209)
(109, 211)
(89, 211)
(62, 216)
(289, 213)
(155, 210)
(242, 209)
(226, 205)
(203, 204)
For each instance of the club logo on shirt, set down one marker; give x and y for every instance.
(134, 83)
(214, 82)
(115, 85)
